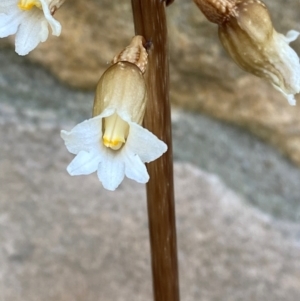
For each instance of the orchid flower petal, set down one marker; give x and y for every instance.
(111, 172)
(135, 169)
(7, 6)
(31, 32)
(84, 135)
(9, 23)
(54, 24)
(143, 143)
(83, 164)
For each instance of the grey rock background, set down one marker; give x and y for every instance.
(65, 238)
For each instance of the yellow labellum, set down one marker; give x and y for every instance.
(115, 132)
(29, 4)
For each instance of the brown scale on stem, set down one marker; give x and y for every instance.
(220, 11)
(134, 53)
(217, 11)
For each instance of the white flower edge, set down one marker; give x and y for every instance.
(288, 64)
(30, 27)
(85, 140)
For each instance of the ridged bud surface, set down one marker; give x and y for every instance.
(252, 42)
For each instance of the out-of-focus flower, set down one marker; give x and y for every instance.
(114, 143)
(29, 20)
(247, 33)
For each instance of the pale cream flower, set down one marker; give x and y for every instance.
(114, 143)
(29, 20)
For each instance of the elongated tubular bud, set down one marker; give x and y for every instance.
(253, 43)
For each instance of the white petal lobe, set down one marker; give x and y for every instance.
(55, 25)
(135, 169)
(291, 36)
(111, 173)
(143, 143)
(83, 164)
(7, 6)
(31, 32)
(84, 136)
(9, 23)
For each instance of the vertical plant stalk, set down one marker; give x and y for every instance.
(150, 22)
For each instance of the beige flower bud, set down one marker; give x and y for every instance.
(121, 91)
(252, 42)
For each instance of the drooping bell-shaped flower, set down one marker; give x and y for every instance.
(29, 20)
(113, 142)
(247, 33)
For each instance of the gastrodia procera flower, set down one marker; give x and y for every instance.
(29, 20)
(247, 33)
(113, 142)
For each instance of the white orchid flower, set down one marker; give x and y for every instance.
(113, 143)
(29, 20)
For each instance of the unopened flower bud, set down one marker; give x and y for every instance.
(246, 32)
(252, 42)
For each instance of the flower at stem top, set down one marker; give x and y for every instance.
(114, 143)
(29, 20)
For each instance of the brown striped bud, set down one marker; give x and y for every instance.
(246, 32)
(252, 42)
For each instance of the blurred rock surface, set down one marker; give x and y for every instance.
(65, 238)
(203, 78)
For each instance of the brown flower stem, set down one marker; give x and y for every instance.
(150, 22)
